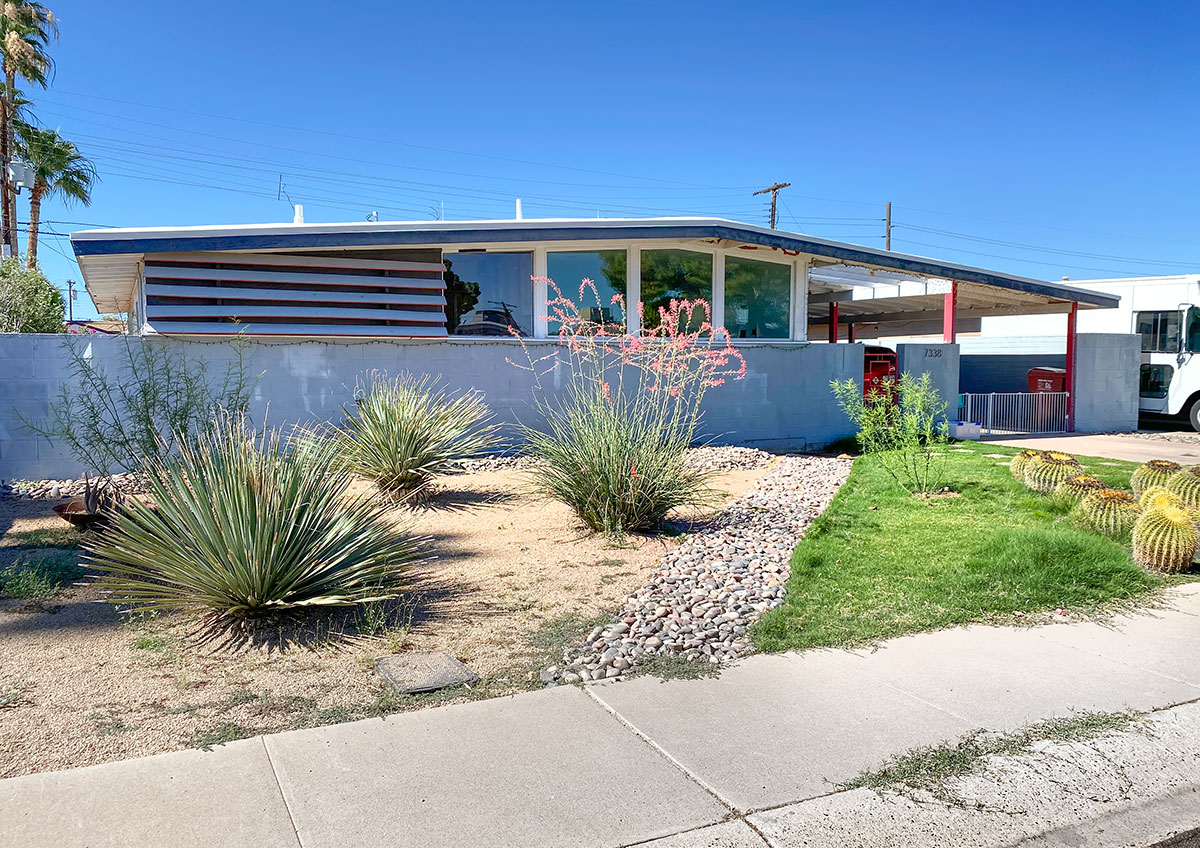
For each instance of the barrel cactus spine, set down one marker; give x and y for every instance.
(1186, 484)
(1156, 472)
(1072, 490)
(1165, 539)
(1158, 496)
(1108, 511)
(1050, 468)
(1020, 463)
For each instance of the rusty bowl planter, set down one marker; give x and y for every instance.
(77, 514)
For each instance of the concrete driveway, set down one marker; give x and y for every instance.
(1132, 448)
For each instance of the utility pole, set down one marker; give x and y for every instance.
(70, 300)
(773, 189)
(887, 228)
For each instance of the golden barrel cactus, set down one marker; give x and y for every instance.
(1020, 463)
(1156, 472)
(1108, 511)
(1186, 484)
(1157, 496)
(1049, 468)
(1165, 539)
(1072, 490)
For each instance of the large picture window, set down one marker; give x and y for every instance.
(489, 293)
(758, 299)
(1159, 331)
(674, 275)
(605, 268)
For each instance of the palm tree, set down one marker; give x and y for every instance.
(58, 169)
(26, 30)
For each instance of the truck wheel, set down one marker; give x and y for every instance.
(1194, 415)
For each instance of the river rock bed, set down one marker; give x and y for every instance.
(56, 490)
(707, 591)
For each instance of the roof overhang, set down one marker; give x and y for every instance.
(110, 259)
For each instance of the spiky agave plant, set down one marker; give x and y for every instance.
(1108, 511)
(1072, 490)
(405, 431)
(1165, 539)
(1020, 463)
(1156, 472)
(240, 528)
(1049, 468)
(1186, 484)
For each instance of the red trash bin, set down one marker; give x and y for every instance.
(1045, 379)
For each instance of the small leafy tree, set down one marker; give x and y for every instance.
(139, 412)
(29, 303)
(902, 424)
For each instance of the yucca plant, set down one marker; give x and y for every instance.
(1165, 539)
(1186, 484)
(1020, 463)
(1049, 468)
(240, 528)
(1156, 472)
(1108, 511)
(1072, 490)
(403, 432)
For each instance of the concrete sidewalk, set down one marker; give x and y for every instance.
(730, 761)
(1132, 448)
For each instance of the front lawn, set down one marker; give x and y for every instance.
(880, 562)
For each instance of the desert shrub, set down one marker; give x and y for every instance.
(1156, 472)
(136, 414)
(613, 448)
(903, 424)
(403, 432)
(240, 528)
(1165, 539)
(29, 303)
(38, 579)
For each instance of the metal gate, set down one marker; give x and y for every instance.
(1015, 412)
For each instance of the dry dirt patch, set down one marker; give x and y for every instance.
(515, 580)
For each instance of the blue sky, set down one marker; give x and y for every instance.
(1042, 139)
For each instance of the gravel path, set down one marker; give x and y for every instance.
(706, 592)
(1163, 436)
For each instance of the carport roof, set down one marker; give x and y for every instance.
(110, 258)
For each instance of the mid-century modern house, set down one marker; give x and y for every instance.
(321, 303)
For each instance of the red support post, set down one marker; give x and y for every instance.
(1070, 381)
(950, 313)
(850, 332)
(833, 322)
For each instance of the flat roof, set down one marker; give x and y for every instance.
(110, 257)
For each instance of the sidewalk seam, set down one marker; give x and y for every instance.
(282, 794)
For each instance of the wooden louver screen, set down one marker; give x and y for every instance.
(293, 295)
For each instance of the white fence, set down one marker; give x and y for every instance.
(1015, 412)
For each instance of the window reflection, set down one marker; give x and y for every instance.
(758, 299)
(674, 275)
(606, 268)
(489, 293)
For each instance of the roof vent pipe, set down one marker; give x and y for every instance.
(518, 209)
(299, 216)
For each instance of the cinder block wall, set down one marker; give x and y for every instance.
(1106, 382)
(940, 361)
(783, 402)
(1002, 372)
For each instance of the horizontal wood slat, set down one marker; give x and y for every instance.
(204, 310)
(231, 275)
(298, 260)
(299, 295)
(218, 329)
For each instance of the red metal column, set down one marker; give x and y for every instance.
(833, 322)
(950, 313)
(850, 332)
(1071, 316)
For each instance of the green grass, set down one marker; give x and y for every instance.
(38, 579)
(931, 768)
(880, 563)
(43, 537)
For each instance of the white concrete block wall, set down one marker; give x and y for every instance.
(784, 401)
(940, 361)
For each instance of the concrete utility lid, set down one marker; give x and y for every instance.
(423, 671)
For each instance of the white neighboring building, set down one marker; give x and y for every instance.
(1165, 311)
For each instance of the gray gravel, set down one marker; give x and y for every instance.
(723, 458)
(707, 591)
